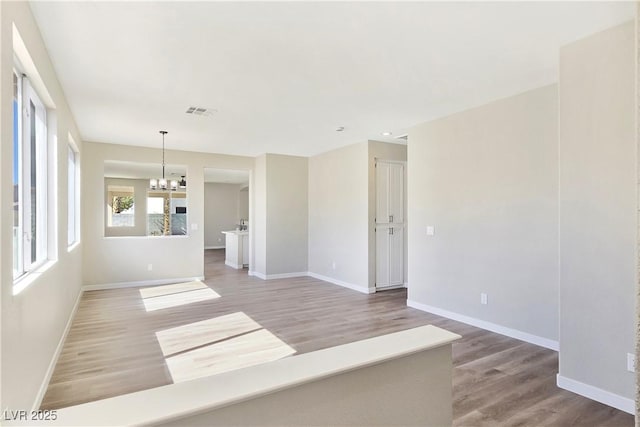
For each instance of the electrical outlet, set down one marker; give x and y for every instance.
(149, 267)
(219, 240)
(333, 265)
(194, 227)
(484, 299)
(431, 230)
(631, 362)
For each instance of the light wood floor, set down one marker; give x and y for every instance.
(113, 348)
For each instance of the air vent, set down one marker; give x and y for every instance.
(404, 137)
(201, 111)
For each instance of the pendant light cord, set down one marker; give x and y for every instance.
(163, 132)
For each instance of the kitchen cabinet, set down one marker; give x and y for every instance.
(236, 248)
(389, 224)
(389, 193)
(389, 256)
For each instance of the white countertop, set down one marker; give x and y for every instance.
(173, 401)
(238, 232)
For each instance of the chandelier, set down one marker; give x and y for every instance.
(154, 183)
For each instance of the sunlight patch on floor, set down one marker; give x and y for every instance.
(159, 297)
(240, 352)
(157, 291)
(182, 338)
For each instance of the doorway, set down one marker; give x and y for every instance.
(226, 217)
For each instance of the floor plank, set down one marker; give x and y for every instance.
(115, 345)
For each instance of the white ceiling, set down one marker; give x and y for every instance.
(284, 76)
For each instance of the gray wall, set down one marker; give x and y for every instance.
(259, 223)
(338, 209)
(487, 180)
(281, 213)
(243, 203)
(221, 211)
(598, 208)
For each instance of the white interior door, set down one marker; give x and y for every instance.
(389, 224)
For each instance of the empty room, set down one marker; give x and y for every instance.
(319, 213)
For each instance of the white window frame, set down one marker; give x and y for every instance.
(33, 167)
(17, 231)
(73, 195)
(115, 190)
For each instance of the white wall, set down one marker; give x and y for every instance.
(221, 211)
(110, 260)
(598, 208)
(338, 211)
(487, 180)
(281, 214)
(33, 321)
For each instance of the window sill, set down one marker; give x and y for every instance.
(72, 246)
(24, 281)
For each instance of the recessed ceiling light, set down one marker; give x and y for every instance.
(387, 133)
(340, 129)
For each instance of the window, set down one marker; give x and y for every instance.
(73, 181)
(157, 221)
(121, 206)
(30, 194)
(166, 213)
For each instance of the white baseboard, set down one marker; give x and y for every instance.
(155, 282)
(258, 275)
(363, 289)
(483, 324)
(278, 276)
(286, 275)
(599, 395)
(388, 288)
(56, 355)
(214, 247)
(358, 288)
(232, 265)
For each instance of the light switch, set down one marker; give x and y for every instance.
(431, 230)
(194, 227)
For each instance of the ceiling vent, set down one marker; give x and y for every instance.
(201, 111)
